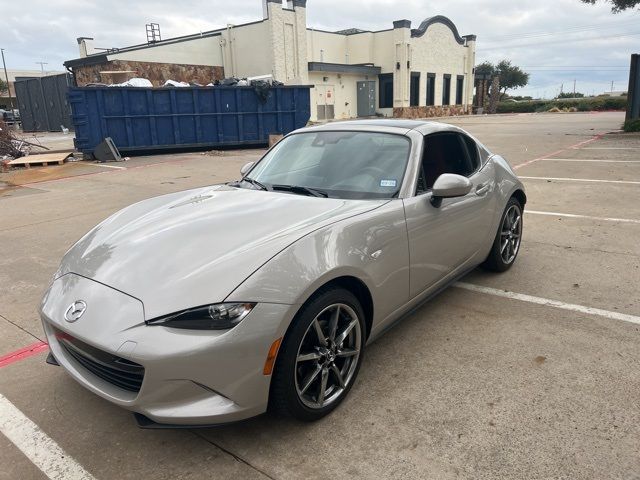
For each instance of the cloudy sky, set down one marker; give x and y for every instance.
(557, 41)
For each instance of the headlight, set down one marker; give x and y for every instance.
(219, 316)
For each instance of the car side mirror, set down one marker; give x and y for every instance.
(449, 185)
(246, 167)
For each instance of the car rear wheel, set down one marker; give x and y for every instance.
(507, 242)
(320, 356)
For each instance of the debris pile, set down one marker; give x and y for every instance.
(9, 144)
(262, 84)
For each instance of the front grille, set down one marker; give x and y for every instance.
(118, 371)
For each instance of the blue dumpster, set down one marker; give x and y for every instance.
(139, 119)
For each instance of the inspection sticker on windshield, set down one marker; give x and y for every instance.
(388, 183)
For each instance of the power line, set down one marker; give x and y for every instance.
(564, 31)
(586, 39)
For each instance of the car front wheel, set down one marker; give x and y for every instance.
(320, 356)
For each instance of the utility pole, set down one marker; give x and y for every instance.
(574, 88)
(42, 64)
(6, 76)
(612, 85)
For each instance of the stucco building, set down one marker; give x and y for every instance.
(400, 71)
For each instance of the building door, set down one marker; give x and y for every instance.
(367, 98)
(414, 96)
(325, 102)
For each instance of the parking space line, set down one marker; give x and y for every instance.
(587, 217)
(577, 145)
(110, 166)
(590, 180)
(606, 148)
(37, 446)
(549, 302)
(24, 352)
(587, 160)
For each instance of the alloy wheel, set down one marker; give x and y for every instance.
(510, 234)
(328, 356)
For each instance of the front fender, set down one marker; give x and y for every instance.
(346, 248)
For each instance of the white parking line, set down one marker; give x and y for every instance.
(606, 148)
(588, 217)
(38, 447)
(110, 166)
(590, 180)
(549, 303)
(587, 160)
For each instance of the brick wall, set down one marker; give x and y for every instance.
(157, 73)
(432, 111)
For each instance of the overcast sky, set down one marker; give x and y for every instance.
(557, 41)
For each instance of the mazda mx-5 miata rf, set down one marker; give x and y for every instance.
(217, 304)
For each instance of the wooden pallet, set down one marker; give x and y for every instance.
(44, 159)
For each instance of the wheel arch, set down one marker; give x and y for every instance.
(358, 288)
(520, 196)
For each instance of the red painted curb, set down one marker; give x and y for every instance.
(23, 353)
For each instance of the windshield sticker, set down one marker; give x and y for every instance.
(388, 183)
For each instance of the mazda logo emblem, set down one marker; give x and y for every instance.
(75, 311)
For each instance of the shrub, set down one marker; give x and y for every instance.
(581, 105)
(632, 125)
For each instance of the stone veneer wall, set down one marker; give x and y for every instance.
(431, 111)
(157, 73)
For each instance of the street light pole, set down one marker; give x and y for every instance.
(6, 76)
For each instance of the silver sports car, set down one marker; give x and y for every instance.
(213, 305)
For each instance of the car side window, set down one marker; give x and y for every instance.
(472, 150)
(445, 152)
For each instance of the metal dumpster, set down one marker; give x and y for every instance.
(147, 119)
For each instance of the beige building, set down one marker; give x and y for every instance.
(400, 71)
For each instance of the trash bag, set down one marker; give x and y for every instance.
(173, 83)
(263, 90)
(134, 82)
(229, 82)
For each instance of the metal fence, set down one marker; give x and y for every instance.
(43, 103)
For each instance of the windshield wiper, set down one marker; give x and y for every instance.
(312, 192)
(255, 182)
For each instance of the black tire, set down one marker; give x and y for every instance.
(284, 398)
(496, 261)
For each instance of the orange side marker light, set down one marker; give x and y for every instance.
(271, 357)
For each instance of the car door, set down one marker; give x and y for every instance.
(445, 240)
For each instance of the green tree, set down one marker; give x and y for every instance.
(486, 68)
(511, 76)
(3, 87)
(617, 5)
(570, 95)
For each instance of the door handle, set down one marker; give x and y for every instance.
(482, 189)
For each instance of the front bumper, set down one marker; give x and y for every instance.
(190, 377)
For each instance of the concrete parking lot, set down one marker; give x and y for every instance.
(534, 373)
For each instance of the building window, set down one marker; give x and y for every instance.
(446, 90)
(385, 99)
(414, 96)
(459, 90)
(431, 88)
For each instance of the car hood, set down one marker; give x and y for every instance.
(195, 247)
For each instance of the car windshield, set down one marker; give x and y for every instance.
(353, 165)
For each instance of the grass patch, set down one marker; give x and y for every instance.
(632, 125)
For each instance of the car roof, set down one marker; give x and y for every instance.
(389, 125)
